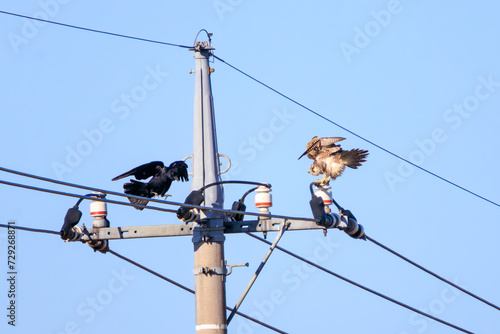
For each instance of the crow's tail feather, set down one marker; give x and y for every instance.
(138, 201)
(139, 189)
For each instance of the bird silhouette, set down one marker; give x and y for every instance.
(330, 159)
(158, 185)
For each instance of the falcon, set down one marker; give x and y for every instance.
(330, 159)
(158, 185)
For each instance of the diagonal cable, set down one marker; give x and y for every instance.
(148, 270)
(361, 286)
(259, 269)
(190, 290)
(94, 30)
(431, 273)
(355, 134)
(15, 227)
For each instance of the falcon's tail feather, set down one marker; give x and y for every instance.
(354, 158)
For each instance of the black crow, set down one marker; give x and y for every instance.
(159, 184)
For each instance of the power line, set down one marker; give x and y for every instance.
(173, 211)
(95, 30)
(355, 134)
(146, 269)
(361, 286)
(270, 88)
(15, 227)
(46, 179)
(262, 240)
(431, 273)
(56, 192)
(191, 291)
(171, 44)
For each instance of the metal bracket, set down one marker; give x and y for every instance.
(210, 271)
(234, 265)
(208, 234)
(219, 154)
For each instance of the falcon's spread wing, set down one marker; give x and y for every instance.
(143, 171)
(321, 145)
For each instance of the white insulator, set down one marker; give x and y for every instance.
(98, 209)
(324, 192)
(263, 199)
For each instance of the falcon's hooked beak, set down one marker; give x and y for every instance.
(309, 149)
(303, 154)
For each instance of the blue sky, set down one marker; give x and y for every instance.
(419, 78)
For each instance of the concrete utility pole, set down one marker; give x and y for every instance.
(209, 266)
(207, 226)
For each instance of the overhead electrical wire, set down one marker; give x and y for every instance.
(239, 313)
(431, 273)
(173, 211)
(15, 227)
(56, 192)
(148, 270)
(230, 211)
(181, 204)
(265, 241)
(95, 30)
(360, 286)
(46, 179)
(270, 88)
(354, 133)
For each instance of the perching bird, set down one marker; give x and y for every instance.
(159, 184)
(330, 159)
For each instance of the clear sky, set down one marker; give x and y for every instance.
(419, 78)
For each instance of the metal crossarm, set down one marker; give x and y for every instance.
(175, 230)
